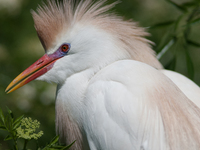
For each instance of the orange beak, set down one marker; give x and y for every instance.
(41, 66)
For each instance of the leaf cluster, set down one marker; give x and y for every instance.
(9, 124)
(178, 34)
(53, 145)
(25, 128)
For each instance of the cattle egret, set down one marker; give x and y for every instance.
(112, 92)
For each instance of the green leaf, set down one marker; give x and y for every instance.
(190, 66)
(17, 122)
(196, 21)
(10, 112)
(2, 127)
(162, 24)
(7, 138)
(193, 43)
(54, 145)
(57, 147)
(67, 147)
(54, 140)
(188, 4)
(181, 8)
(8, 122)
(178, 22)
(2, 116)
(165, 39)
(16, 125)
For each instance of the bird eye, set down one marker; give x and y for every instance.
(65, 48)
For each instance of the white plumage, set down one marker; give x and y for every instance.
(112, 92)
(188, 87)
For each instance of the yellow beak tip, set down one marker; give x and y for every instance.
(7, 91)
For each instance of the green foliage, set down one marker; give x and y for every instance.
(9, 124)
(54, 146)
(25, 128)
(178, 34)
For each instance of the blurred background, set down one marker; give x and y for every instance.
(174, 28)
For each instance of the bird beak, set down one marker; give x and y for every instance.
(37, 69)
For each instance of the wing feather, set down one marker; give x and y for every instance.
(143, 107)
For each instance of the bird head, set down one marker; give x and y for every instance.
(82, 37)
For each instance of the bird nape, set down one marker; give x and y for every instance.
(112, 92)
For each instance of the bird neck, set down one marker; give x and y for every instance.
(69, 108)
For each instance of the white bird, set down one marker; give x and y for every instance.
(112, 93)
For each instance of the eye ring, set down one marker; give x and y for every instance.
(65, 48)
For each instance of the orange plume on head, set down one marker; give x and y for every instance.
(54, 18)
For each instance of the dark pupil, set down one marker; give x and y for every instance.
(64, 48)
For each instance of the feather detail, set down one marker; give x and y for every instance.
(179, 115)
(67, 129)
(168, 120)
(53, 18)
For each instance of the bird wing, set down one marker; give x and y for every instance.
(132, 106)
(188, 87)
